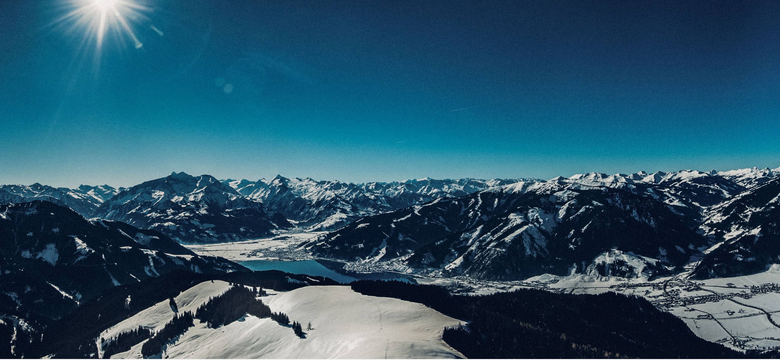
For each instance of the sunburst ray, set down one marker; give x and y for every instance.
(101, 17)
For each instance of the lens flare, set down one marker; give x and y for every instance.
(101, 17)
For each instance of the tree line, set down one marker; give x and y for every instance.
(170, 331)
(218, 311)
(540, 324)
(124, 341)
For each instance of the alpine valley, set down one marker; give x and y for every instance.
(666, 264)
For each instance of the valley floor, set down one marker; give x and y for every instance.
(279, 247)
(742, 312)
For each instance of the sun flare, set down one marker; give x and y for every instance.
(103, 17)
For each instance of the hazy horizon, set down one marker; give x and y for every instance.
(130, 184)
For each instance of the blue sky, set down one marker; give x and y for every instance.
(377, 91)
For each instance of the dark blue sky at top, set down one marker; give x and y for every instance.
(390, 90)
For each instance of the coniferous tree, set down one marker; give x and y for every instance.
(231, 306)
(125, 341)
(280, 318)
(171, 330)
(298, 330)
(173, 305)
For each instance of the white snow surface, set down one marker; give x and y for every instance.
(157, 316)
(64, 294)
(345, 325)
(49, 254)
(282, 247)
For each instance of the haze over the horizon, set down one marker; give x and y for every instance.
(380, 91)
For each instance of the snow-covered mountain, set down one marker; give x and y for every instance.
(327, 205)
(412, 214)
(192, 209)
(508, 234)
(345, 324)
(52, 260)
(230, 317)
(636, 225)
(84, 200)
(748, 227)
(202, 209)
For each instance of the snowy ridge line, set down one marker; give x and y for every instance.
(345, 324)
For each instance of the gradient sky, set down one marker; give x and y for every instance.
(389, 90)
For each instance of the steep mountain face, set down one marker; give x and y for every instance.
(524, 230)
(637, 225)
(748, 225)
(84, 200)
(750, 177)
(307, 203)
(324, 205)
(192, 209)
(98, 194)
(52, 260)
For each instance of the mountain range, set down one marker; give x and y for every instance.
(327, 205)
(202, 209)
(85, 199)
(631, 226)
(638, 225)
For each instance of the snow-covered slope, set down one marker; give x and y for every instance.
(192, 209)
(84, 200)
(750, 177)
(504, 234)
(345, 325)
(155, 317)
(73, 260)
(748, 227)
(53, 260)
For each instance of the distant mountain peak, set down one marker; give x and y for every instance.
(180, 175)
(191, 209)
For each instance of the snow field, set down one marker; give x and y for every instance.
(350, 325)
(724, 309)
(345, 324)
(271, 248)
(155, 317)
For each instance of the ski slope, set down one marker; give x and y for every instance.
(345, 324)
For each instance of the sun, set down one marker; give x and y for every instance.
(99, 18)
(105, 4)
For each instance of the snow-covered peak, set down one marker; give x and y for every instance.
(99, 193)
(654, 178)
(750, 177)
(592, 176)
(83, 200)
(190, 208)
(528, 186)
(279, 180)
(178, 188)
(238, 184)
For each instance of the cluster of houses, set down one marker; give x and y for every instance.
(764, 288)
